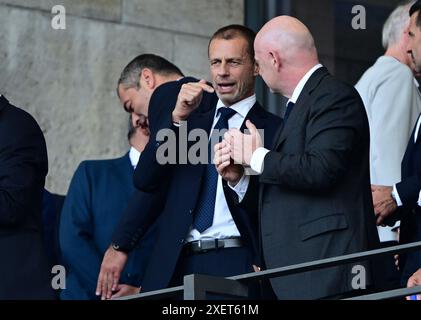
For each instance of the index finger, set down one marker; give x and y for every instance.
(99, 284)
(204, 86)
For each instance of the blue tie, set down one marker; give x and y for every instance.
(206, 204)
(290, 106)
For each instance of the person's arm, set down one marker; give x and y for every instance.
(78, 249)
(169, 109)
(332, 131)
(142, 211)
(23, 167)
(390, 125)
(409, 190)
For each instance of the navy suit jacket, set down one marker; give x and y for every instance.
(98, 193)
(178, 186)
(410, 214)
(24, 270)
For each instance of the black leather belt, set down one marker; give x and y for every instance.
(205, 245)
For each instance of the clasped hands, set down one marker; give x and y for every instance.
(384, 204)
(235, 152)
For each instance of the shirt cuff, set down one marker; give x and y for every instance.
(419, 200)
(396, 196)
(241, 187)
(257, 159)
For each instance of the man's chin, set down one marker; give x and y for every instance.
(226, 98)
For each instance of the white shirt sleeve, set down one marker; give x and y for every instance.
(396, 195)
(257, 159)
(241, 187)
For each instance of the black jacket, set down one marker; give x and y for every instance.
(315, 196)
(23, 167)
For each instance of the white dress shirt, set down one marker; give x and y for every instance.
(258, 157)
(223, 225)
(395, 191)
(134, 156)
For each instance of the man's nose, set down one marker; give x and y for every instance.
(223, 69)
(135, 120)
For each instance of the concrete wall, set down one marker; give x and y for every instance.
(66, 78)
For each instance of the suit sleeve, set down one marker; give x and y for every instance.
(155, 161)
(23, 167)
(142, 211)
(409, 190)
(78, 249)
(332, 131)
(387, 144)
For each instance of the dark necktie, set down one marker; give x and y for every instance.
(290, 106)
(204, 212)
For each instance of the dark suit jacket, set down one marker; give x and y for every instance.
(315, 197)
(51, 209)
(184, 181)
(98, 193)
(410, 214)
(23, 167)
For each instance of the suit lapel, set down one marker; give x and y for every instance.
(255, 116)
(302, 103)
(408, 156)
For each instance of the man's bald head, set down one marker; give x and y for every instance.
(289, 36)
(288, 46)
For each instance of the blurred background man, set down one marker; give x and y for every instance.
(98, 194)
(393, 102)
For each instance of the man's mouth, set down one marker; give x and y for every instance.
(226, 87)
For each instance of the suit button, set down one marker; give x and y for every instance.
(191, 211)
(157, 144)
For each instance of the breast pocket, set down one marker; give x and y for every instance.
(322, 225)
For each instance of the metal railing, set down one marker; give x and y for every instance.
(195, 287)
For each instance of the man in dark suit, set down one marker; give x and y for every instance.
(200, 229)
(98, 193)
(403, 200)
(23, 167)
(315, 199)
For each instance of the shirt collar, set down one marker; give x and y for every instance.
(242, 107)
(302, 83)
(134, 156)
(417, 129)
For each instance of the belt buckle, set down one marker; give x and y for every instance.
(206, 245)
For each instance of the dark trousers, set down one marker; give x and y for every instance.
(390, 273)
(221, 263)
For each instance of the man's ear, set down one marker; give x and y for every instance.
(256, 69)
(275, 60)
(147, 78)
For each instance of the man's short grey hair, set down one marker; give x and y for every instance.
(129, 77)
(396, 24)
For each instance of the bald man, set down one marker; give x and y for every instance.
(315, 197)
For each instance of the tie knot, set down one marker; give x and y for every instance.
(226, 112)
